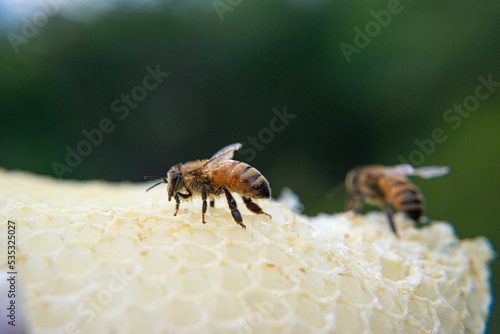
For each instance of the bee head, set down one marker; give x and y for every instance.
(351, 180)
(174, 181)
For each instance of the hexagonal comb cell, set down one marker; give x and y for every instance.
(90, 260)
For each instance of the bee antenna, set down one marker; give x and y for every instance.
(163, 180)
(153, 177)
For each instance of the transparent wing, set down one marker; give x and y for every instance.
(221, 155)
(226, 152)
(403, 170)
(427, 172)
(431, 171)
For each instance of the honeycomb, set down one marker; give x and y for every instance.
(97, 257)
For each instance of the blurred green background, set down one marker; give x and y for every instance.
(231, 63)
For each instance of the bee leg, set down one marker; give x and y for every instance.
(177, 203)
(204, 207)
(354, 203)
(178, 200)
(349, 203)
(212, 203)
(252, 206)
(388, 212)
(359, 204)
(185, 195)
(234, 208)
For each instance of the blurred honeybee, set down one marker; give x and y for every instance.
(389, 186)
(212, 177)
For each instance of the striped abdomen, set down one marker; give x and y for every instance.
(403, 195)
(241, 178)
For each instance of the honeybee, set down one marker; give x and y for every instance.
(388, 186)
(213, 177)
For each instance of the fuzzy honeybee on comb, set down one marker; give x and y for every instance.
(389, 186)
(214, 177)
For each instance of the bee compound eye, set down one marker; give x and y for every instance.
(175, 177)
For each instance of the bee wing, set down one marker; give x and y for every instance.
(423, 172)
(431, 171)
(403, 170)
(223, 154)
